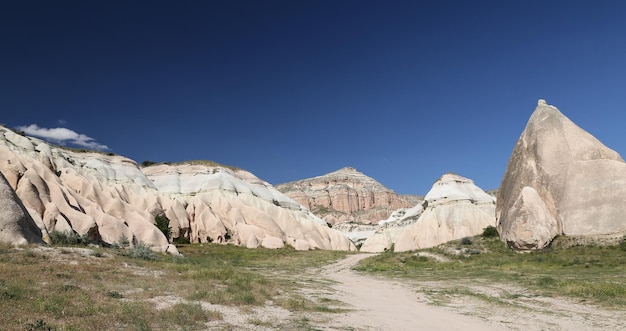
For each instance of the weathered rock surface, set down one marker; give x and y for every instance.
(559, 180)
(454, 208)
(102, 196)
(346, 195)
(356, 232)
(108, 197)
(390, 229)
(227, 204)
(16, 225)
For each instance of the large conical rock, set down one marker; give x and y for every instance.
(559, 180)
(16, 225)
(454, 208)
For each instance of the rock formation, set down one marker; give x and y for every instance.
(107, 197)
(346, 195)
(16, 225)
(229, 204)
(390, 229)
(454, 208)
(559, 180)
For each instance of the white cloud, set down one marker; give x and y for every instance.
(62, 136)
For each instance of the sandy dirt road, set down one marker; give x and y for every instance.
(387, 304)
(378, 304)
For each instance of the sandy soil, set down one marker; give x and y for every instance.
(378, 304)
(383, 304)
(369, 303)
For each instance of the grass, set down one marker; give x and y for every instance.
(587, 273)
(61, 289)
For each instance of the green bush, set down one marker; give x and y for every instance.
(142, 251)
(490, 232)
(182, 240)
(163, 224)
(67, 238)
(122, 242)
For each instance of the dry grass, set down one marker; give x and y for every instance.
(68, 288)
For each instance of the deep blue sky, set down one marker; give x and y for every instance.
(404, 91)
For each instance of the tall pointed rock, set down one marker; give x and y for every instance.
(559, 180)
(16, 225)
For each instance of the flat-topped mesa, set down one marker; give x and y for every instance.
(560, 180)
(454, 208)
(346, 195)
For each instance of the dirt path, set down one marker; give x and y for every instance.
(385, 304)
(378, 304)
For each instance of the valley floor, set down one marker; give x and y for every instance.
(221, 287)
(381, 304)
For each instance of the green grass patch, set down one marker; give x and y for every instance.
(591, 273)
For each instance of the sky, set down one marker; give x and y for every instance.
(404, 91)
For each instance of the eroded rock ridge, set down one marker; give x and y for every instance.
(108, 197)
(347, 195)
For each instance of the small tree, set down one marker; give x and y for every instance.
(163, 224)
(490, 232)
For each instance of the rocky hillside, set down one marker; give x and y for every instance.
(347, 195)
(107, 197)
(560, 180)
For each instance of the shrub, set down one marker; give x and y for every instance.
(182, 240)
(67, 238)
(147, 163)
(163, 224)
(490, 232)
(142, 251)
(123, 242)
(115, 294)
(40, 325)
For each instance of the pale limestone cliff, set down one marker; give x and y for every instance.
(346, 195)
(389, 230)
(16, 225)
(227, 204)
(105, 197)
(108, 197)
(560, 180)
